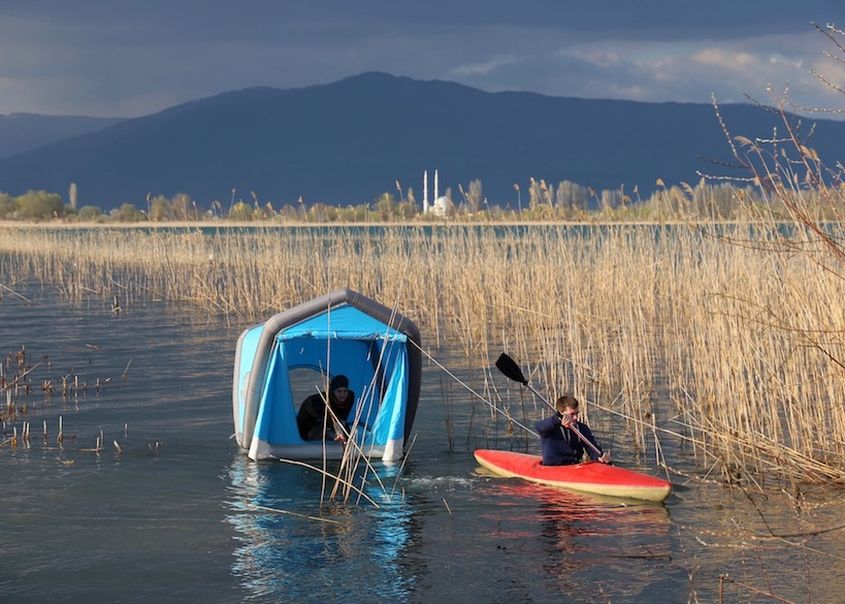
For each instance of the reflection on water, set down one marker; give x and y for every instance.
(582, 539)
(76, 523)
(292, 557)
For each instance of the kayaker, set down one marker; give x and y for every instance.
(562, 446)
(310, 420)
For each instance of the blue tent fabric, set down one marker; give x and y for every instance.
(248, 345)
(273, 424)
(276, 421)
(374, 352)
(347, 323)
(389, 426)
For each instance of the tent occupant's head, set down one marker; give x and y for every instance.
(339, 387)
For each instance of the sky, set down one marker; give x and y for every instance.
(134, 57)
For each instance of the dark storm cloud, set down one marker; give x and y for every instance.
(128, 58)
(664, 18)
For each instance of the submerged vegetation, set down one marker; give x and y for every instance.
(726, 347)
(728, 337)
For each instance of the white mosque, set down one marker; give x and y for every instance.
(440, 206)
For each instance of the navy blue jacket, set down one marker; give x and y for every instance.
(309, 419)
(560, 446)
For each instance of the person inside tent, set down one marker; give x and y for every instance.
(312, 418)
(560, 445)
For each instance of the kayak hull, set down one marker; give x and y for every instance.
(588, 477)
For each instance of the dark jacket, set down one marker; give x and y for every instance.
(309, 420)
(560, 446)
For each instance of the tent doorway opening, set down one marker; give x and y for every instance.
(305, 381)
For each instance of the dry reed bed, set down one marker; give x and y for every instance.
(739, 338)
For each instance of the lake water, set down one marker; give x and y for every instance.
(175, 516)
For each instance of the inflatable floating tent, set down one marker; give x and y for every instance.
(343, 332)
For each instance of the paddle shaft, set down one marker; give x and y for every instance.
(571, 426)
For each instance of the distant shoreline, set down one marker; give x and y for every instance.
(439, 224)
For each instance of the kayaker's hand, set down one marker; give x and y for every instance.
(605, 457)
(341, 438)
(565, 420)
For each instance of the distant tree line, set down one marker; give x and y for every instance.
(566, 201)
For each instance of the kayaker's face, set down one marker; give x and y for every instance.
(572, 413)
(341, 393)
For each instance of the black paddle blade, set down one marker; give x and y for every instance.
(508, 366)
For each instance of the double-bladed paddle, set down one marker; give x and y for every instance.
(508, 366)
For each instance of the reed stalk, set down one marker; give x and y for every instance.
(739, 342)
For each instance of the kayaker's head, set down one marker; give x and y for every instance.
(567, 405)
(339, 388)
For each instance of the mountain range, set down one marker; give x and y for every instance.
(348, 141)
(20, 132)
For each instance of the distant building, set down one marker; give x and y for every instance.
(441, 204)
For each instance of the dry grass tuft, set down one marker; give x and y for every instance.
(738, 337)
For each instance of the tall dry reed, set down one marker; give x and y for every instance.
(677, 329)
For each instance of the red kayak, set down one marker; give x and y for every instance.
(589, 477)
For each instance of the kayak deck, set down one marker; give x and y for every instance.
(589, 477)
